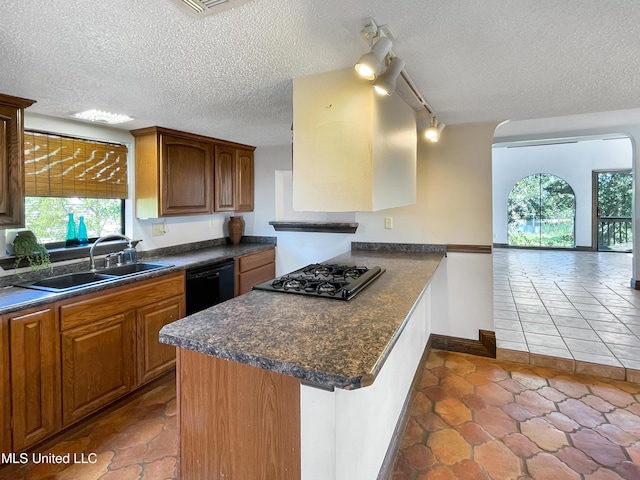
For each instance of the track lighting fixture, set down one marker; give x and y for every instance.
(432, 133)
(370, 64)
(427, 123)
(385, 84)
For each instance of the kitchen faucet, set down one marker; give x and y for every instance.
(92, 261)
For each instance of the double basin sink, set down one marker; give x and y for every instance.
(70, 281)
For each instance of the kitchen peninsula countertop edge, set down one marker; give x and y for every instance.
(327, 343)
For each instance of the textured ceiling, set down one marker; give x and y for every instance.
(230, 75)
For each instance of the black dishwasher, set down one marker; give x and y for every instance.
(209, 285)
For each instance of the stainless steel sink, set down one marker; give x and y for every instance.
(70, 281)
(132, 269)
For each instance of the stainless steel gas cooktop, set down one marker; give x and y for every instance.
(341, 282)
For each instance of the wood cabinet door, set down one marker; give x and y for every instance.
(11, 168)
(98, 364)
(155, 358)
(244, 181)
(225, 179)
(186, 176)
(35, 362)
(5, 388)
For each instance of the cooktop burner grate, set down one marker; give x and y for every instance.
(342, 282)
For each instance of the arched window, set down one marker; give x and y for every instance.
(542, 212)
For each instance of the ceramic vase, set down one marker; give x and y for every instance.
(236, 229)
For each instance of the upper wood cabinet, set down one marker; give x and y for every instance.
(12, 160)
(175, 174)
(234, 179)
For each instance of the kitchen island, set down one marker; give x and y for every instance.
(272, 385)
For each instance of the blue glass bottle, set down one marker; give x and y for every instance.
(83, 239)
(72, 236)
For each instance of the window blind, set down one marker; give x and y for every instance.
(59, 166)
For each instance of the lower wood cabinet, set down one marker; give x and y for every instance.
(5, 388)
(110, 342)
(63, 361)
(155, 358)
(98, 364)
(35, 378)
(254, 268)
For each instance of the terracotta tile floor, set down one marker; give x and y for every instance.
(573, 310)
(475, 418)
(139, 441)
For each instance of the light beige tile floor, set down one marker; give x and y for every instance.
(568, 309)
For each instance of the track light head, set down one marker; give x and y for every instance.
(385, 84)
(434, 131)
(370, 64)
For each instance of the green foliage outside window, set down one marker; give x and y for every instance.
(615, 194)
(47, 217)
(541, 212)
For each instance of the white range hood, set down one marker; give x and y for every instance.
(353, 150)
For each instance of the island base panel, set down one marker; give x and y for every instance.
(236, 421)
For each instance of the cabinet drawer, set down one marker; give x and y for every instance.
(255, 276)
(255, 260)
(99, 305)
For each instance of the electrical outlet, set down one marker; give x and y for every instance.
(157, 229)
(388, 222)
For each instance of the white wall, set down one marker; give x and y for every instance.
(454, 193)
(573, 162)
(295, 249)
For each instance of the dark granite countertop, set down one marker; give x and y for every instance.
(325, 342)
(17, 298)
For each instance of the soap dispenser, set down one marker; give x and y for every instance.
(129, 254)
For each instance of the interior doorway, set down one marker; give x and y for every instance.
(612, 210)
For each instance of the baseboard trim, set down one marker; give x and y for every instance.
(485, 346)
(458, 248)
(578, 248)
